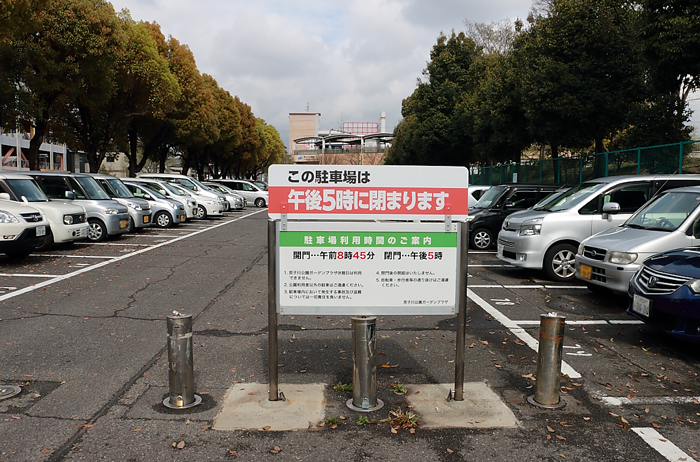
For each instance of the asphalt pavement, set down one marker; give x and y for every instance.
(83, 332)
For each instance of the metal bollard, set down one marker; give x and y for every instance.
(180, 366)
(549, 357)
(364, 373)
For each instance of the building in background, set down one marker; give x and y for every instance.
(14, 145)
(357, 143)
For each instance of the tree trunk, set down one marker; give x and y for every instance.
(40, 127)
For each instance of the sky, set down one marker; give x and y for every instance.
(348, 60)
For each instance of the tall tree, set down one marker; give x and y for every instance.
(74, 43)
(218, 154)
(430, 120)
(244, 151)
(580, 71)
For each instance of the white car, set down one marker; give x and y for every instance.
(236, 201)
(22, 227)
(206, 206)
(171, 192)
(252, 193)
(68, 220)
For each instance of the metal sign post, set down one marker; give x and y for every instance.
(272, 343)
(461, 314)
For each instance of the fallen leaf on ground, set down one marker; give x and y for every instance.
(180, 445)
(275, 450)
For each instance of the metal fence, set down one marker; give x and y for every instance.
(681, 157)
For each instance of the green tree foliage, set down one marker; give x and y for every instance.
(71, 47)
(431, 132)
(244, 151)
(218, 153)
(580, 71)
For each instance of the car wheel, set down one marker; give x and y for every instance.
(163, 219)
(260, 202)
(559, 262)
(131, 227)
(201, 212)
(97, 232)
(481, 239)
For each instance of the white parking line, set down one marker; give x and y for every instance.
(516, 330)
(471, 265)
(645, 400)
(663, 446)
(67, 255)
(587, 322)
(56, 278)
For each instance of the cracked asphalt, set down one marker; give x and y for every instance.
(89, 352)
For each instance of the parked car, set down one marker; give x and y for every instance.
(206, 206)
(665, 293)
(252, 193)
(139, 209)
(23, 227)
(236, 201)
(547, 237)
(475, 193)
(166, 212)
(106, 217)
(190, 184)
(487, 215)
(670, 220)
(170, 192)
(68, 221)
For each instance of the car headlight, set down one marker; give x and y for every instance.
(133, 206)
(694, 285)
(7, 217)
(530, 229)
(111, 211)
(192, 203)
(622, 258)
(580, 249)
(469, 218)
(173, 206)
(210, 202)
(68, 219)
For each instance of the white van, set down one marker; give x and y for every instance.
(609, 259)
(547, 237)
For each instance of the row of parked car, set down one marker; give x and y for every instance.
(638, 235)
(39, 208)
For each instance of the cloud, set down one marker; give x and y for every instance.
(348, 60)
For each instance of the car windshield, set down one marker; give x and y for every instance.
(116, 188)
(152, 190)
(27, 188)
(490, 197)
(572, 197)
(173, 189)
(547, 199)
(666, 212)
(261, 184)
(92, 189)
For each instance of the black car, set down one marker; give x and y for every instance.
(487, 215)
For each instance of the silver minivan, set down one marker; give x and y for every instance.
(252, 193)
(106, 217)
(609, 259)
(548, 236)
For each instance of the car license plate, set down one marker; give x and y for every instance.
(641, 305)
(182, 218)
(122, 224)
(40, 231)
(146, 219)
(499, 249)
(585, 271)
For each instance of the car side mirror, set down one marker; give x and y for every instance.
(5, 196)
(70, 195)
(147, 197)
(611, 208)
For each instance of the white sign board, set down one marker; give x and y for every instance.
(334, 268)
